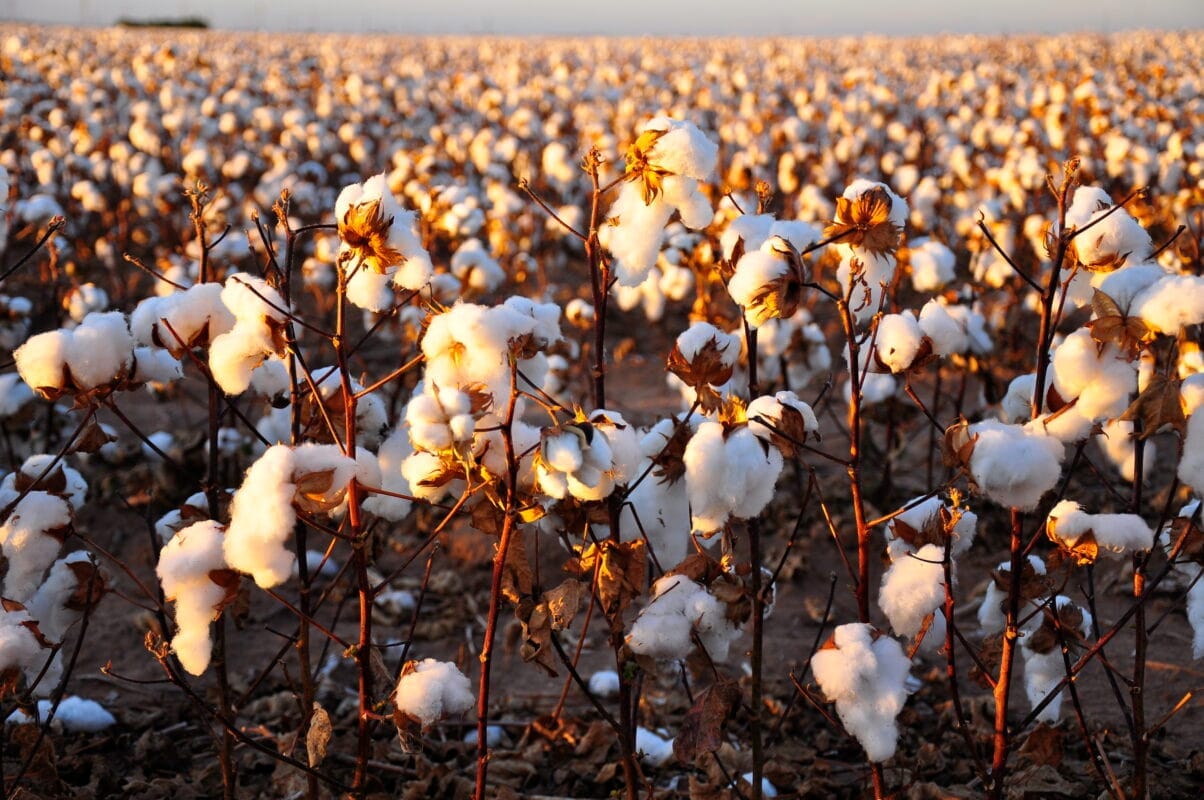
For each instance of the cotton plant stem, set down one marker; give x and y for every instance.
(1140, 633)
(495, 587)
(756, 657)
(361, 552)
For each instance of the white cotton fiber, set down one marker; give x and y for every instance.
(184, 567)
(433, 690)
(1118, 533)
(1013, 465)
(912, 588)
(866, 678)
(30, 539)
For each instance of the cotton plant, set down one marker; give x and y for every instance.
(665, 166)
(1085, 535)
(1013, 465)
(865, 674)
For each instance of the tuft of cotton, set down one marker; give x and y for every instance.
(51, 604)
(97, 352)
(1114, 237)
(587, 459)
(153, 365)
(20, 648)
(185, 566)
(74, 715)
(865, 674)
(393, 451)
(654, 750)
(30, 539)
(1044, 670)
(680, 609)
(1171, 303)
(262, 514)
(430, 690)
(932, 264)
(260, 313)
(604, 683)
(1191, 465)
(898, 341)
(681, 157)
(68, 483)
(728, 475)
(912, 588)
(1014, 465)
(991, 618)
(182, 320)
(1067, 523)
(385, 242)
(1101, 379)
(947, 335)
(754, 285)
(790, 420)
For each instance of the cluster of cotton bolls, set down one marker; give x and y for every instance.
(680, 611)
(44, 595)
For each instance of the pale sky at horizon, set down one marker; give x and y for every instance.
(634, 17)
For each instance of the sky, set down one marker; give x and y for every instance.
(635, 17)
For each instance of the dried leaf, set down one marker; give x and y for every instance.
(365, 230)
(702, 729)
(621, 568)
(706, 368)
(865, 222)
(1044, 746)
(640, 168)
(318, 735)
(1130, 335)
(91, 438)
(312, 494)
(1160, 404)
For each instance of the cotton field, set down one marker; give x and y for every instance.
(585, 418)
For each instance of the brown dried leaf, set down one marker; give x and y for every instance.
(1113, 326)
(702, 729)
(91, 438)
(318, 735)
(1044, 746)
(1160, 404)
(312, 494)
(958, 445)
(706, 368)
(621, 568)
(89, 586)
(865, 222)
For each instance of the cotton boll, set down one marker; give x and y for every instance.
(185, 566)
(42, 362)
(68, 483)
(991, 618)
(604, 683)
(866, 678)
(30, 539)
(756, 276)
(636, 239)
(1101, 379)
(476, 268)
(1116, 441)
(1013, 465)
(431, 690)
(1017, 402)
(369, 290)
(49, 604)
(932, 265)
(1044, 664)
(654, 750)
(19, 646)
(898, 341)
(262, 514)
(1191, 465)
(1068, 523)
(85, 299)
(680, 609)
(1195, 614)
(153, 365)
(1114, 236)
(1171, 303)
(683, 149)
(946, 334)
(912, 588)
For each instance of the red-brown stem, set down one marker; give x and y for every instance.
(951, 664)
(495, 588)
(1003, 683)
(1141, 634)
(758, 603)
(360, 549)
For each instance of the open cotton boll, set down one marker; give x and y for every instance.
(369, 290)
(1016, 406)
(978, 339)
(1044, 665)
(74, 715)
(1101, 379)
(932, 264)
(898, 341)
(786, 413)
(251, 299)
(912, 588)
(234, 355)
(262, 514)
(921, 523)
(1068, 523)
(604, 683)
(754, 281)
(991, 618)
(683, 149)
(1115, 237)
(430, 690)
(30, 539)
(177, 321)
(376, 235)
(185, 566)
(19, 645)
(946, 333)
(654, 750)
(1014, 465)
(1195, 613)
(42, 362)
(1125, 284)
(636, 240)
(51, 603)
(476, 268)
(865, 674)
(751, 229)
(1171, 303)
(60, 479)
(679, 609)
(728, 475)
